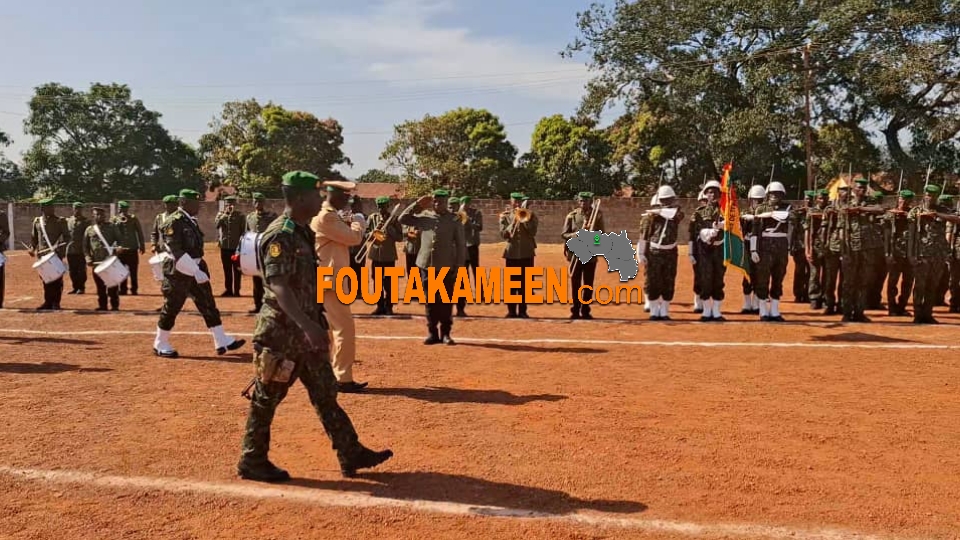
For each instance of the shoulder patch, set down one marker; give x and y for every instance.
(274, 249)
(288, 227)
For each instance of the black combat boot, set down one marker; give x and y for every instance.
(364, 459)
(254, 464)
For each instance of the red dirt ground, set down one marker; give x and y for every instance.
(804, 434)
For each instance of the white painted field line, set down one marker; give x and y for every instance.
(332, 498)
(546, 341)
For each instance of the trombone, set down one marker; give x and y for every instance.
(520, 215)
(377, 235)
(591, 223)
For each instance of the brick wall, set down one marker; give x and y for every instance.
(618, 213)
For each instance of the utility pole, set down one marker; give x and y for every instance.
(808, 83)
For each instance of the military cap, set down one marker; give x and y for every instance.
(98, 209)
(455, 200)
(189, 194)
(300, 179)
(383, 200)
(465, 199)
(932, 189)
(230, 198)
(585, 195)
(516, 195)
(441, 193)
(907, 194)
(810, 193)
(339, 185)
(123, 204)
(862, 181)
(170, 199)
(45, 202)
(78, 205)
(257, 196)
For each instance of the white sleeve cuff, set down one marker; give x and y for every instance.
(641, 247)
(186, 265)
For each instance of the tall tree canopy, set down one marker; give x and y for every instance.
(101, 145)
(466, 149)
(569, 156)
(726, 79)
(251, 146)
(13, 186)
(378, 176)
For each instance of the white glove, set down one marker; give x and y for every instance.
(755, 257)
(747, 217)
(201, 277)
(753, 244)
(186, 265)
(693, 260)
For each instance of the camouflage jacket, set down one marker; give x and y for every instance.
(797, 236)
(858, 229)
(927, 236)
(77, 227)
(660, 231)
(94, 250)
(130, 231)
(287, 250)
(768, 229)
(387, 250)
(230, 228)
(705, 217)
(181, 235)
(895, 227)
(813, 223)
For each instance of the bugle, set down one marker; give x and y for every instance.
(591, 223)
(520, 215)
(377, 235)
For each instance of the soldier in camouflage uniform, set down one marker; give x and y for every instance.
(773, 225)
(751, 304)
(706, 252)
(876, 258)
(290, 340)
(230, 224)
(953, 264)
(927, 247)
(4, 237)
(131, 239)
(657, 249)
(471, 230)
(100, 241)
(798, 251)
(383, 254)
(185, 274)
(76, 228)
(833, 283)
(583, 274)
(899, 268)
(520, 251)
(859, 242)
(257, 222)
(49, 231)
(815, 248)
(944, 201)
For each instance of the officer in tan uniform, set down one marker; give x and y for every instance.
(335, 236)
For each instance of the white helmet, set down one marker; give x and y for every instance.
(756, 192)
(775, 187)
(711, 184)
(702, 196)
(666, 192)
(654, 201)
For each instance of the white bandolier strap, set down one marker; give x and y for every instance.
(655, 245)
(769, 233)
(187, 265)
(753, 243)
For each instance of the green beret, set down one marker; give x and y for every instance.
(257, 196)
(907, 194)
(45, 202)
(455, 200)
(170, 199)
(465, 199)
(933, 189)
(78, 205)
(810, 193)
(862, 181)
(823, 193)
(301, 179)
(516, 195)
(189, 194)
(123, 204)
(441, 193)
(230, 198)
(585, 195)
(383, 200)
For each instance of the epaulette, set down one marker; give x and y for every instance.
(288, 225)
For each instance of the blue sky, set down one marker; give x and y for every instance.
(368, 63)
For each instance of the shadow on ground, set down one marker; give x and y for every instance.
(455, 488)
(46, 367)
(531, 348)
(859, 337)
(12, 340)
(435, 394)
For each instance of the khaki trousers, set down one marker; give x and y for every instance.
(343, 343)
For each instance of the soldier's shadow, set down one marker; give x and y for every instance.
(434, 394)
(859, 337)
(46, 367)
(241, 358)
(528, 348)
(510, 499)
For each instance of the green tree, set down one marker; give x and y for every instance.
(102, 144)
(13, 185)
(838, 148)
(378, 176)
(466, 149)
(569, 156)
(251, 146)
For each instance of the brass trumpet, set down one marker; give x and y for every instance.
(520, 215)
(377, 235)
(122, 218)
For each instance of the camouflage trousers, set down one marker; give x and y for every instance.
(927, 274)
(772, 268)
(878, 274)
(315, 373)
(900, 274)
(833, 280)
(857, 275)
(711, 271)
(816, 283)
(662, 272)
(801, 277)
(176, 288)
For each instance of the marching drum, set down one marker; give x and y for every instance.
(112, 272)
(156, 265)
(50, 267)
(248, 254)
